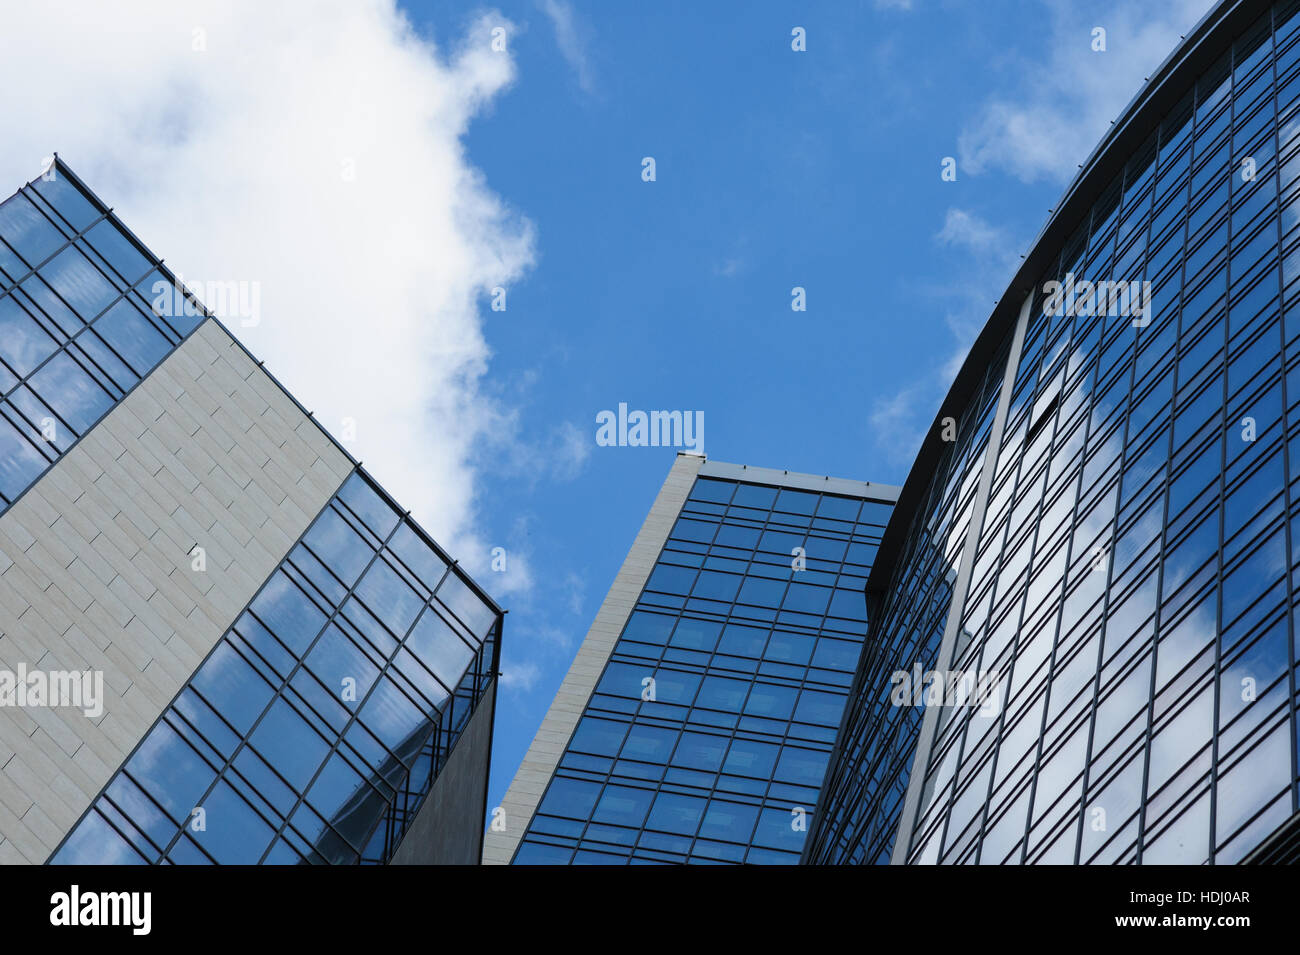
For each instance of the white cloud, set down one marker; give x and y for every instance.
(1069, 94)
(519, 677)
(897, 427)
(992, 249)
(573, 448)
(729, 268)
(575, 590)
(893, 4)
(571, 38)
(898, 421)
(967, 229)
(230, 161)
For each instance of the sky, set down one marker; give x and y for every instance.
(390, 175)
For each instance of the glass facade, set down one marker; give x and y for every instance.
(1136, 577)
(77, 325)
(865, 787)
(1131, 580)
(708, 734)
(316, 727)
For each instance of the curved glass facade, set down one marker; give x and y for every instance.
(864, 789)
(1133, 585)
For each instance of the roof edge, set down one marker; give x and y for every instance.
(1207, 41)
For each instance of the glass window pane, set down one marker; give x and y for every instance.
(64, 386)
(20, 462)
(67, 199)
(25, 228)
(24, 344)
(292, 747)
(234, 834)
(133, 336)
(81, 285)
(118, 251)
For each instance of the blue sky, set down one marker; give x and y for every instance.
(775, 169)
(376, 168)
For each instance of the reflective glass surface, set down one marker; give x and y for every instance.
(864, 791)
(1135, 579)
(78, 327)
(316, 727)
(708, 734)
(1133, 587)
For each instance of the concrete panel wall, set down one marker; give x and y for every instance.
(448, 829)
(96, 568)
(529, 784)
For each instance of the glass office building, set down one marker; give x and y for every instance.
(76, 328)
(708, 722)
(315, 728)
(1113, 535)
(292, 670)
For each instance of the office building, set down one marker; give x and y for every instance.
(258, 656)
(1103, 518)
(696, 721)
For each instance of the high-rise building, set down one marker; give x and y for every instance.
(1104, 519)
(220, 640)
(697, 719)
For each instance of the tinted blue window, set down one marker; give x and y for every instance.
(24, 344)
(69, 201)
(27, 231)
(132, 336)
(297, 709)
(78, 283)
(118, 251)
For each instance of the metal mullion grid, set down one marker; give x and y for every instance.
(939, 819)
(919, 626)
(657, 787)
(130, 842)
(145, 790)
(170, 708)
(1140, 844)
(69, 340)
(168, 716)
(426, 605)
(1089, 750)
(1070, 543)
(104, 213)
(1023, 609)
(354, 716)
(1216, 690)
(629, 719)
(844, 787)
(227, 764)
(1290, 613)
(334, 746)
(298, 702)
(927, 816)
(395, 821)
(20, 422)
(64, 348)
(684, 725)
(755, 678)
(922, 624)
(65, 231)
(1027, 691)
(121, 293)
(172, 713)
(38, 199)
